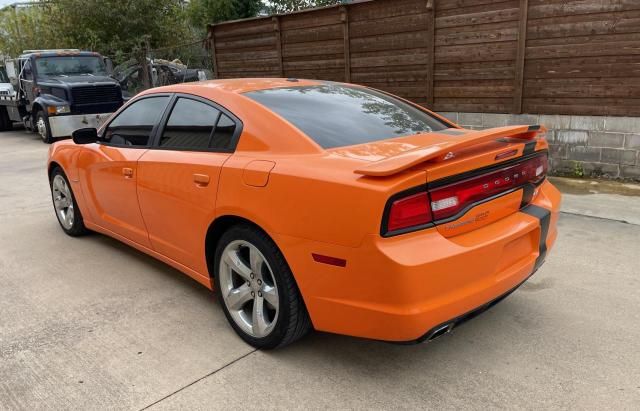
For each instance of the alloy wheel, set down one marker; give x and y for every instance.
(62, 201)
(248, 288)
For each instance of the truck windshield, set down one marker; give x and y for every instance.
(3, 76)
(70, 66)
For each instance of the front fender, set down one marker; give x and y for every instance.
(48, 100)
(65, 153)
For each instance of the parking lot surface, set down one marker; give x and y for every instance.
(89, 323)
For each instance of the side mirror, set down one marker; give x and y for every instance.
(85, 136)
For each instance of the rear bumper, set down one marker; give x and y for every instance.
(447, 326)
(403, 288)
(65, 125)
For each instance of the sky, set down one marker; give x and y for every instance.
(7, 2)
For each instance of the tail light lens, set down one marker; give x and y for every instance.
(451, 200)
(409, 212)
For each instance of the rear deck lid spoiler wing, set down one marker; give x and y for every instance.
(439, 152)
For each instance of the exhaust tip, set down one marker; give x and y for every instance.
(440, 331)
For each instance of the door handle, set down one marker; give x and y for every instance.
(127, 172)
(201, 180)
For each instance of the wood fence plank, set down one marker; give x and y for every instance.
(431, 52)
(277, 30)
(518, 84)
(344, 16)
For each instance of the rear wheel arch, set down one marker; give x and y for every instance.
(218, 227)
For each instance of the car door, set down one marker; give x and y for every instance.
(108, 169)
(178, 177)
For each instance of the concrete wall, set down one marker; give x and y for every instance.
(589, 146)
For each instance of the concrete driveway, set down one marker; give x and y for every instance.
(91, 324)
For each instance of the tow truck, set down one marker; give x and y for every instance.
(55, 92)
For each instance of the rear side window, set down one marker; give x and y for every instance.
(223, 135)
(194, 125)
(335, 115)
(190, 125)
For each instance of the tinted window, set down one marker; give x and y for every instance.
(190, 125)
(335, 115)
(224, 133)
(3, 76)
(134, 124)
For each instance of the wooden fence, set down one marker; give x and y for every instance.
(501, 56)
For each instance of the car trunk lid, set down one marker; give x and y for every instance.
(473, 178)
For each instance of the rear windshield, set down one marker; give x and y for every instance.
(336, 115)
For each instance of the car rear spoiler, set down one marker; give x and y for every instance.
(442, 151)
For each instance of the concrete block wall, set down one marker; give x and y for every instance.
(589, 146)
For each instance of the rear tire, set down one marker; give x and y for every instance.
(65, 206)
(256, 289)
(42, 127)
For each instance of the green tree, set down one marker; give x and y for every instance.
(24, 28)
(286, 6)
(118, 27)
(203, 12)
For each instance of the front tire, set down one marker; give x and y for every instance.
(42, 127)
(256, 289)
(65, 206)
(5, 121)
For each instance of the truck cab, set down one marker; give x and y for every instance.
(59, 91)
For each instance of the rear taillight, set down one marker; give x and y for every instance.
(410, 211)
(449, 200)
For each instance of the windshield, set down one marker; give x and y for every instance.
(3, 76)
(335, 115)
(70, 66)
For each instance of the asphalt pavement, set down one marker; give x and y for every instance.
(89, 323)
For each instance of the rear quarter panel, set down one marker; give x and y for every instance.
(315, 197)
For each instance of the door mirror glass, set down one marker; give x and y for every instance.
(85, 136)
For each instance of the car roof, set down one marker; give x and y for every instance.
(236, 85)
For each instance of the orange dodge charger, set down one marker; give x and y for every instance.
(312, 204)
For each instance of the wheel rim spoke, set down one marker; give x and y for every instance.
(256, 261)
(270, 295)
(235, 263)
(258, 320)
(238, 297)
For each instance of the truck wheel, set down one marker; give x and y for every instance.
(42, 127)
(5, 121)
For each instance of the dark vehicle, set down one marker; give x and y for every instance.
(59, 91)
(161, 73)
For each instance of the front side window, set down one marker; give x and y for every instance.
(134, 125)
(27, 73)
(194, 125)
(334, 115)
